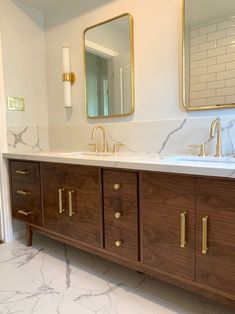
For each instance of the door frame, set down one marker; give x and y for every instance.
(6, 233)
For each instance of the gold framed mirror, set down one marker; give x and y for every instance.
(109, 68)
(208, 54)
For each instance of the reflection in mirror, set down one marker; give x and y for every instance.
(209, 54)
(109, 68)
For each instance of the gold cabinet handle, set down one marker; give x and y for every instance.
(23, 192)
(71, 212)
(22, 172)
(118, 215)
(118, 243)
(183, 229)
(61, 210)
(116, 186)
(24, 212)
(204, 235)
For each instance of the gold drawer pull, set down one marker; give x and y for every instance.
(23, 192)
(24, 212)
(61, 210)
(118, 243)
(116, 186)
(71, 212)
(23, 172)
(204, 235)
(183, 229)
(118, 215)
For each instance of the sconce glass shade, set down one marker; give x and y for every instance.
(67, 73)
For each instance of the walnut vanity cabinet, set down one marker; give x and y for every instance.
(72, 201)
(168, 216)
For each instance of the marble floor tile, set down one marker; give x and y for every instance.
(51, 277)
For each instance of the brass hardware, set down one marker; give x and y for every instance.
(69, 77)
(23, 172)
(23, 192)
(118, 215)
(116, 186)
(216, 126)
(71, 212)
(24, 212)
(202, 151)
(116, 147)
(131, 63)
(183, 229)
(61, 210)
(204, 235)
(105, 145)
(118, 243)
(95, 145)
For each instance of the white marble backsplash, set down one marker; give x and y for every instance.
(164, 136)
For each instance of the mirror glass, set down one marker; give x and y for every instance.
(209, 54)
(109, 68)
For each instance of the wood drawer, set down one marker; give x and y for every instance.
(26, 203)
(129, 242)
(122, 214)
(25, 171)
(120, 185)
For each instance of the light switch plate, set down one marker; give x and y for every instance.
(15, 104)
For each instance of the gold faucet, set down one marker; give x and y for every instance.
(102, 128)
(216, 126)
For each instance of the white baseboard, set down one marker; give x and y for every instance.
(19, 234)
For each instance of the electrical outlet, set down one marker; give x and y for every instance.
(15, 104)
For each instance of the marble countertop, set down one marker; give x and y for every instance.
(137, 161)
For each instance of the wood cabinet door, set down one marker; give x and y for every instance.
(76, 190)
(168, 215)
(215, 256)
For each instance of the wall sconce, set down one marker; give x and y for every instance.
(68, 77)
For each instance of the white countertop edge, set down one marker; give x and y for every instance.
(147, 162)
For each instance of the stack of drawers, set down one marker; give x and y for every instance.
(121, 213)
(26, 192)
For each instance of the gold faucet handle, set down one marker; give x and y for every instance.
(116, 147)
(202, 151)
(95, 145)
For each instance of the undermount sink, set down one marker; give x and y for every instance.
(201, 159)
(87, 153)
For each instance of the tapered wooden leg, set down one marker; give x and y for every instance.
(29, 235)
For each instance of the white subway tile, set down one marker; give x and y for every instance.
(207, 77)
(217, 35)
(230, 82)
(216, 52)
(215, 101)
(197, 87)
(216, 84)
(230, 66)
(216, 68)
(225, 75)
(198, 71)
(194, 49)
(226, 58)
(207, 62)
(225, 91)
(193, 95)
(206, 93)
(193, 64)
(226, 24)
(198, 40)
(230, 49)
(230, 31)
(230, 99)
(194, 80)
(208, 29)
(198, 56)
(226, 41)
(194, 32)
(208, 45)
(198, 102)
